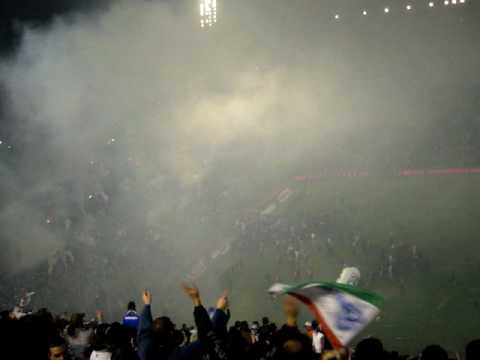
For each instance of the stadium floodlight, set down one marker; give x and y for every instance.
(386, 10)
(446, 2)
(454, 2)
(409, 7)
(337, 16)
(364, 12)
(462, 1)
(208, 12)
(431, 4)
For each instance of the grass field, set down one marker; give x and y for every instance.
(437, 301)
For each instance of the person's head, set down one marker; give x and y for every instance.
(57, 349)
(117, 336)
(131, 306)
(434, 352)
(265, 321)
(240, 343)
(369, 349)
(244, 326)
(295, 347)
(166, 338)
(77, 319)
(76, 322)
(308, 326)
(472, 350)
(163, 326)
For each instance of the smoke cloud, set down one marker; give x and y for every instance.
(144, 138)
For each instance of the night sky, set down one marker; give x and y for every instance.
(35, 13)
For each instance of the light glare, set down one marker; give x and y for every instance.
(208, 12)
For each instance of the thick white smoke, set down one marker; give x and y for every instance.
(173, 132)
(159, 91)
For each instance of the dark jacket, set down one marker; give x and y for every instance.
(145, 336)
(147, 349)
(212, 335)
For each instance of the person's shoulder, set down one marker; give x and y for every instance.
(287, 331)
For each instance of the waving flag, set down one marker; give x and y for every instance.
(342, 310)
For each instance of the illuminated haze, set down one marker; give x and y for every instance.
(192, 128)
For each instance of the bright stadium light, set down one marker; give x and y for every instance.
(454, 2)
(446, 2)
(409, 7)
(431, 4)
(208, 12)
(462, 1)
(364, 12)
(386, 10)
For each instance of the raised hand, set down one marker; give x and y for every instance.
(222, 302)
(147, 297)
(193, 293)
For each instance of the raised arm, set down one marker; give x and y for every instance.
(221, 315)
(206, 334)
(145, 340)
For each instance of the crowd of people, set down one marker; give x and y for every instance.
(140, 336)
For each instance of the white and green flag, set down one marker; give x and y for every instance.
(342, 310)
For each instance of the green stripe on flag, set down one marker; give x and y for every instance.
(365, 295)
